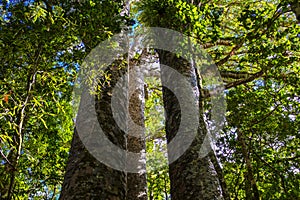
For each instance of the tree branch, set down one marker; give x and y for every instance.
(249, 175)
(5, 158)
(219, 42)
(234, 74)
(243, 81)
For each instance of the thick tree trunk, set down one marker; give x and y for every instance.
(88, 178)
(191, 176)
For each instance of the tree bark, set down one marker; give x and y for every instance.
(136, 182)
(191, 176)
(88, 178)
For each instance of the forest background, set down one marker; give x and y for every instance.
(254, 44)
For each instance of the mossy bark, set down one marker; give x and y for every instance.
(191, 176)
(88, 178)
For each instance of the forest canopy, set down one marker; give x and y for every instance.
(254, 45)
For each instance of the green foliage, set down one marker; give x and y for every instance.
(267, 114)
(36, 120)
(41, 49)
(157, 163)
(255, 44)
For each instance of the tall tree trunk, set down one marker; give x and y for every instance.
(88, 178)
(191, 176)
(136, 182)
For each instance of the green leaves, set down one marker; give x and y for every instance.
(157, 163)
(43, 45)
(30, 118)
(248, 37)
